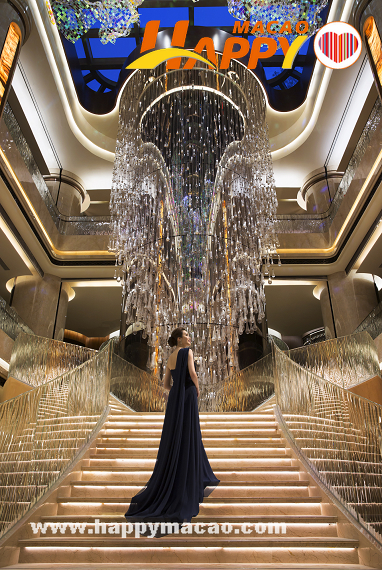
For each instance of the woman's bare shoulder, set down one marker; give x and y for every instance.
(172, 360)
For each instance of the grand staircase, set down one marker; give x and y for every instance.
(261, 484)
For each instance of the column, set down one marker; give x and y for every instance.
(346, 300)
(42, 303)
(68, 192)
(367, 18)
(15, 25)
(319, 188)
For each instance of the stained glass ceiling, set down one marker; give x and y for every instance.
(96, 67)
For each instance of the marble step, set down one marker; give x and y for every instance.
(238, 477)
(170, 549)
(217, 463)
(118, 518)
(244, 527)
(264, 483)
(185, 566)
(210, 499)
(336, 440)
(235, 507)
(238, 492)
(132, 421)
(240, 470)
(149, 442)
(320, 422)
(157, 432)
(213, 416)
(212, 452)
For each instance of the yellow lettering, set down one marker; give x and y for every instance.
(292, 51)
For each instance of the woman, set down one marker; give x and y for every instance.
(182, 471)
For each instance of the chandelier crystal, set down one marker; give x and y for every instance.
(75, 17)
(265, 11)
(193, 207)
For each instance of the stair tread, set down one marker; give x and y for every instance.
(187, 540)
(185, 566)
(248, 500)
(268, 483)
(116, 517)
(210, 455)
(261, 468)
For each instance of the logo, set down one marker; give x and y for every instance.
(234, 47)
(337, 45)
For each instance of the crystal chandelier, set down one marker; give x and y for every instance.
(193, 206)
(281, 11)
(75, 17)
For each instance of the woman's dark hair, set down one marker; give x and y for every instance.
(176, 333)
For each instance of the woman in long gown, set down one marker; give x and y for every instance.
(182, 472)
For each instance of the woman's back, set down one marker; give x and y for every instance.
(182, 470)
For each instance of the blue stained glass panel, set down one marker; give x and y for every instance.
(215, 16)
(122, 47)
(271, 72)
(290, 81)
(111, 74)
(80, 49)
(94, 85)
(167, 16)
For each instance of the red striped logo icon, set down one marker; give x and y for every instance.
(338, 45)
(338, 48)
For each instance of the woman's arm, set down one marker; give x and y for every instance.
(167, 379)
(191, 369)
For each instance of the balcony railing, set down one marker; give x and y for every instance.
(10, 321)
(100, 225)
(372, 323)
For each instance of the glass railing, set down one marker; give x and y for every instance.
(241, 391)
(373, 322)
(278, 342)
(43, 431)
(36, 360)
(10, 321)
(67, 225)
(338, 437)
(141, 391)
(320, 223)
(346, 361)
(100, 225)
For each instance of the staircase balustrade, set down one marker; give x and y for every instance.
(346, 361)
(36, 360)
(337, 433)
(43, 431)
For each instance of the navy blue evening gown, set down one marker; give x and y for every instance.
(182, 471)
